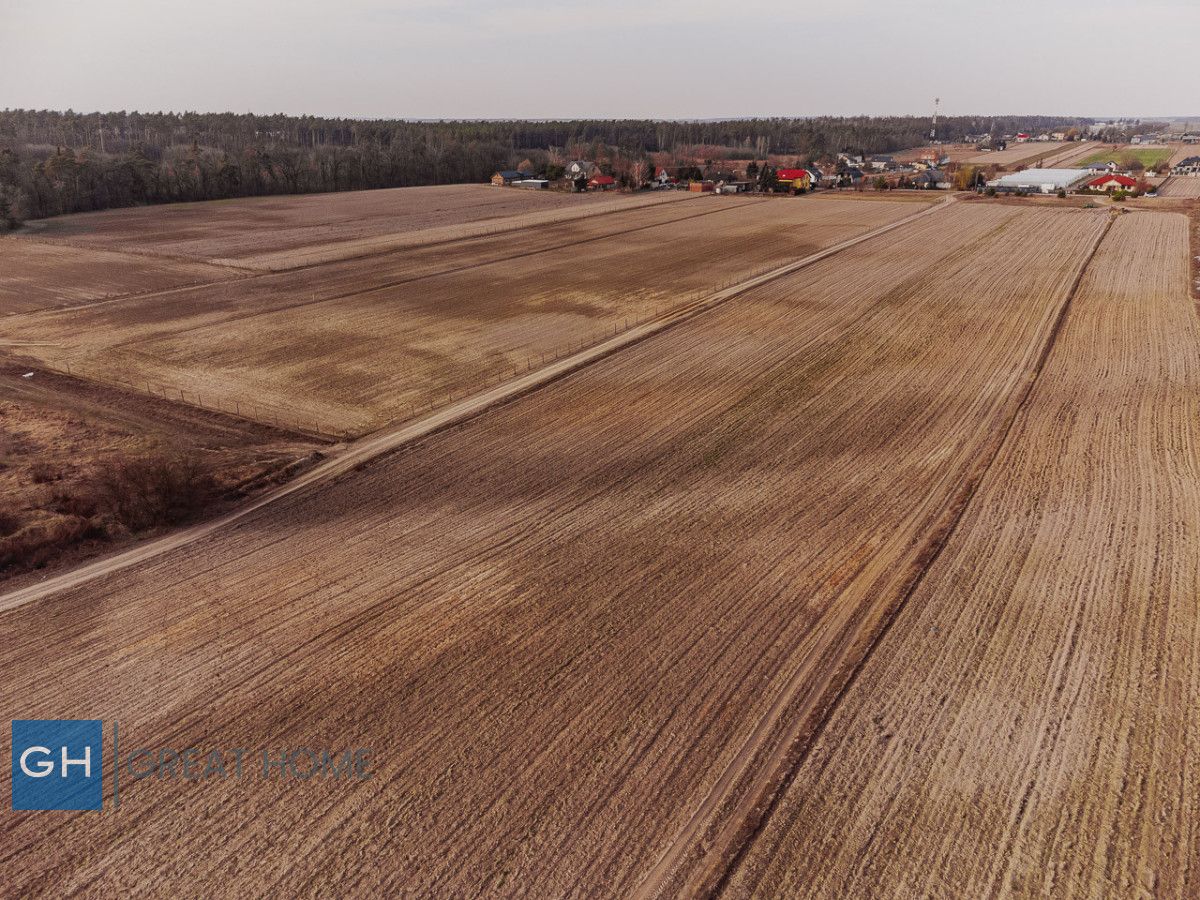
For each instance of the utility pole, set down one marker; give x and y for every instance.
(933, 131)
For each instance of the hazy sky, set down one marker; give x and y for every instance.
(603, 58)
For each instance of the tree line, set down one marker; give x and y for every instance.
(61, 162)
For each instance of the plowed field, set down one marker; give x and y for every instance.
(1028, 726)
(1017, 155)
(580, 633)
(1181, 186)
(37, 275)
(352, 345)
(239, 231)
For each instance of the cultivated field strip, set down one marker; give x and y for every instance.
(1180, 152)
(356, 345)
(1073, 153)
(1028, 725)
(558, 625)
(265, 231)
(35, 275)
(342, 248)
(1021, 154)
(1180, 186)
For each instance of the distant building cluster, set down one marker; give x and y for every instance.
(848, 170)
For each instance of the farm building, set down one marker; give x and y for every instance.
(1039, 181)
(508, 176)
(701, 187)
(1189, 166)
(1112, 183)
(602, 183)
(532, 184)
(932, 180)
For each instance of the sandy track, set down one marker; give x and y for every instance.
(353, 346)
(558, 625)
(1027, 727)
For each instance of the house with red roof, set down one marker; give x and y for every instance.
(795, 180)
(1112, 183)
(602, 183)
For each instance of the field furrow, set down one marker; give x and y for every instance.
(1181, 186)
(35, 275)
(357, 344)
(572, 630)
(1028, 726)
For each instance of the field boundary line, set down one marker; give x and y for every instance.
(790, 754)
(453, 270)
(381, 443)
(46, 240)
(569, 216)
(133, 295)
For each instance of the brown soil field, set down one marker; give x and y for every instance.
(1018, 155)
(1072, 153)
(57, 433)
(572, 631)
(1183, 151)
(1028, 725)
(353, 345)
(282, 232)
(37, 275)
(1180, 186)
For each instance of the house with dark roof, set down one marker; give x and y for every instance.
(582, 168)
(931, 180)
(1189, 166)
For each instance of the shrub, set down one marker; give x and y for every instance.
(34, 546)
(1062, 193)
(991, 192)
(9, 521)
(152, 491)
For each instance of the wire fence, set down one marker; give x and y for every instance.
(258, 413)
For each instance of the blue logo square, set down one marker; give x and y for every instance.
(57, 764)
